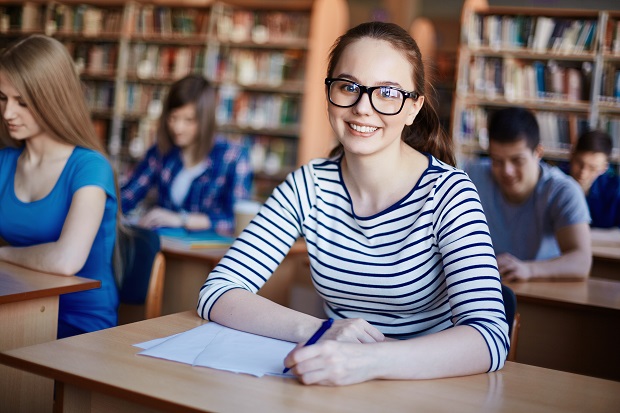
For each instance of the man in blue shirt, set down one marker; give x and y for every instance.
(537, 216)
(589, 165)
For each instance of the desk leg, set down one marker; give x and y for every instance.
(26, 323)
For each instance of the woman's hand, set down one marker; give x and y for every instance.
(333, 363)
(353, 330)
(161, 217)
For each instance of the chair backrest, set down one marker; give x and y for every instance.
(513, 318)
(143, 270)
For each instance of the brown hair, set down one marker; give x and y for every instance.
(596, 141)
(187, 90)
(425, 134)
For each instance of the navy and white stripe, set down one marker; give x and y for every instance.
(423, 265)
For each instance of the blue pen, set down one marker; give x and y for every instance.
(316, 336)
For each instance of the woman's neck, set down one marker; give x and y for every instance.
(378, 181)
(44, 149)
(189, 156)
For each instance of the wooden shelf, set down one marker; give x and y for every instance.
(504, 60)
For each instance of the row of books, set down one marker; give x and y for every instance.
(610, 84)
(143, 100)
(99, 95)
(25, 17)
(262, 67)
(611, 125)
(515, 79)
(94, 58)
(152, 20)
(270, 155)
(538, 33)
(238, 25)
(612, 37)
(83, 19)
(256, 110)
(152, 61)
(558, 131)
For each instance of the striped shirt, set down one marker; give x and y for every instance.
(227, 178)
(423, 265)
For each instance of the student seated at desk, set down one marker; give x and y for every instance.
(589, 165)
(538, 216)
(58, 203)
(397, 240)
(199, 176)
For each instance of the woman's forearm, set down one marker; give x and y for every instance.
(243, 310)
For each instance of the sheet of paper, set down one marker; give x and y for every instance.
(215, 346)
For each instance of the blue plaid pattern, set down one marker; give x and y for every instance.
(227, 178)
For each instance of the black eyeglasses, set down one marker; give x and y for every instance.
(386, 100)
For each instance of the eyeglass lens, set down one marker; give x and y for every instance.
(384, 99)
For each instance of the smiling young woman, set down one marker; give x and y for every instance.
(398, 242)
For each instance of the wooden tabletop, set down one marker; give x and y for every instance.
(20, 284)
(606, 243)
(593, 293)
(106, 362)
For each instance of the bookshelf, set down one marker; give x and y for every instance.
(563, 64)
(267, 58)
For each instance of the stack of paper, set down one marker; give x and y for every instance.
(215, 346)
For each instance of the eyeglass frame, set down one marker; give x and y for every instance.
(368, 90)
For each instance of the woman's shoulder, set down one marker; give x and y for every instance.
(223, 145)
(89, 155)
(442, 169)
(84, 159)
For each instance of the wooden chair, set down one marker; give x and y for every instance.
(514, 320)
(144, 266)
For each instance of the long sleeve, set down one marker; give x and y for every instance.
(239, 179)
(262, 246)
(469, 263)
(142, 179)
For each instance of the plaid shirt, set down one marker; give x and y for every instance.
(227, 178)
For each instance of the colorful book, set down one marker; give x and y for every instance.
(195, 239)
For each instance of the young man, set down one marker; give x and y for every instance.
(589, 165)
(538, 216)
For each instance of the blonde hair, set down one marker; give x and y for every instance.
(42, 71)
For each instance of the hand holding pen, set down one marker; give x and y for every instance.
(317, 335)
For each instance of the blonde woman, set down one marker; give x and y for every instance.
(58, 204)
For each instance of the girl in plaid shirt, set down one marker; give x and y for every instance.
(199, 176)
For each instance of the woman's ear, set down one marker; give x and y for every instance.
(414, 110)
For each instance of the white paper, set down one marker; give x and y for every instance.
(215, 346)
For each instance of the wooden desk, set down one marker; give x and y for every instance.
(570, 326)
(606, 253)
(101, 372)
(187, 269)
(29, 315)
